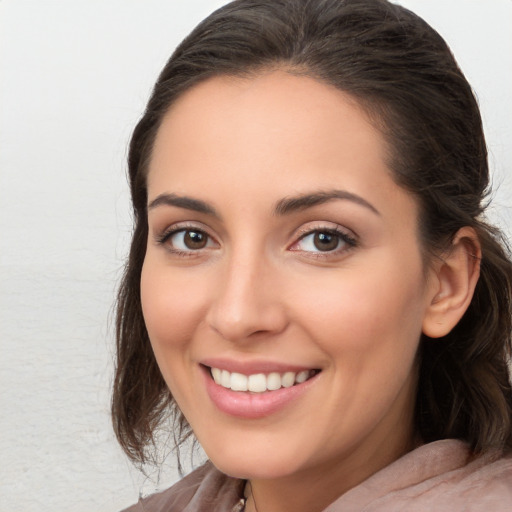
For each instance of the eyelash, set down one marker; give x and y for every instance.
(350, 242)
(164, 238)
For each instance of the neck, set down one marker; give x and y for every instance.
(315, 489)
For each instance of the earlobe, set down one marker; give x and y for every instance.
(453, 284)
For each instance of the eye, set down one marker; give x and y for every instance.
(324, 241)
(187, 240)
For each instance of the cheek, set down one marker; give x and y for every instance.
(172, 313)
(373, 311)
(171, 308)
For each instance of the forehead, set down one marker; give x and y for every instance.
(264, 108)
(247, 132)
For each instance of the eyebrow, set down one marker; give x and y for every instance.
(188, 203)
(285, 206)
(302, 202)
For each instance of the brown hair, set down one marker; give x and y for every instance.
(404, 74)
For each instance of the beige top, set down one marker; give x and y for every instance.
(437, 477)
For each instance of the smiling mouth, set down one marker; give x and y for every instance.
(260, 382)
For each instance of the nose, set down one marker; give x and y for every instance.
(248, 301)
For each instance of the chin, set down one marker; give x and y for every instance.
(255, 464)
(249, 470)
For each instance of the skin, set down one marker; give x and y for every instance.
(261, 290)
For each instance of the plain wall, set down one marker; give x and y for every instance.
(74, 78)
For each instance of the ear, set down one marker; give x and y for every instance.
(453, 282)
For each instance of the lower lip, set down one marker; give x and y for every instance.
(253, 405)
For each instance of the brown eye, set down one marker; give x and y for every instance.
(187, 240)
(195, 239)
(326, 241)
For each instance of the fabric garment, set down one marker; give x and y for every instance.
(440, 476)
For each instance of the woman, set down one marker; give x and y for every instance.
(311, 287)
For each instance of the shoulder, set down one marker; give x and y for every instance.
(441, 476)
(481, 485)
(206, 486)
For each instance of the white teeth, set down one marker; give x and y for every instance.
(273, 381)
(302, 377)
(259, 382)
(288, 380)
(216, 374)
(238, 382)
(225, 379)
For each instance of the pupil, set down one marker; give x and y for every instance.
(195, 239)
(325, 241)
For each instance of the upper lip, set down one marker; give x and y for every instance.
(254, 367)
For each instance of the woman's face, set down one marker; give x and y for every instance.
(283, 287)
